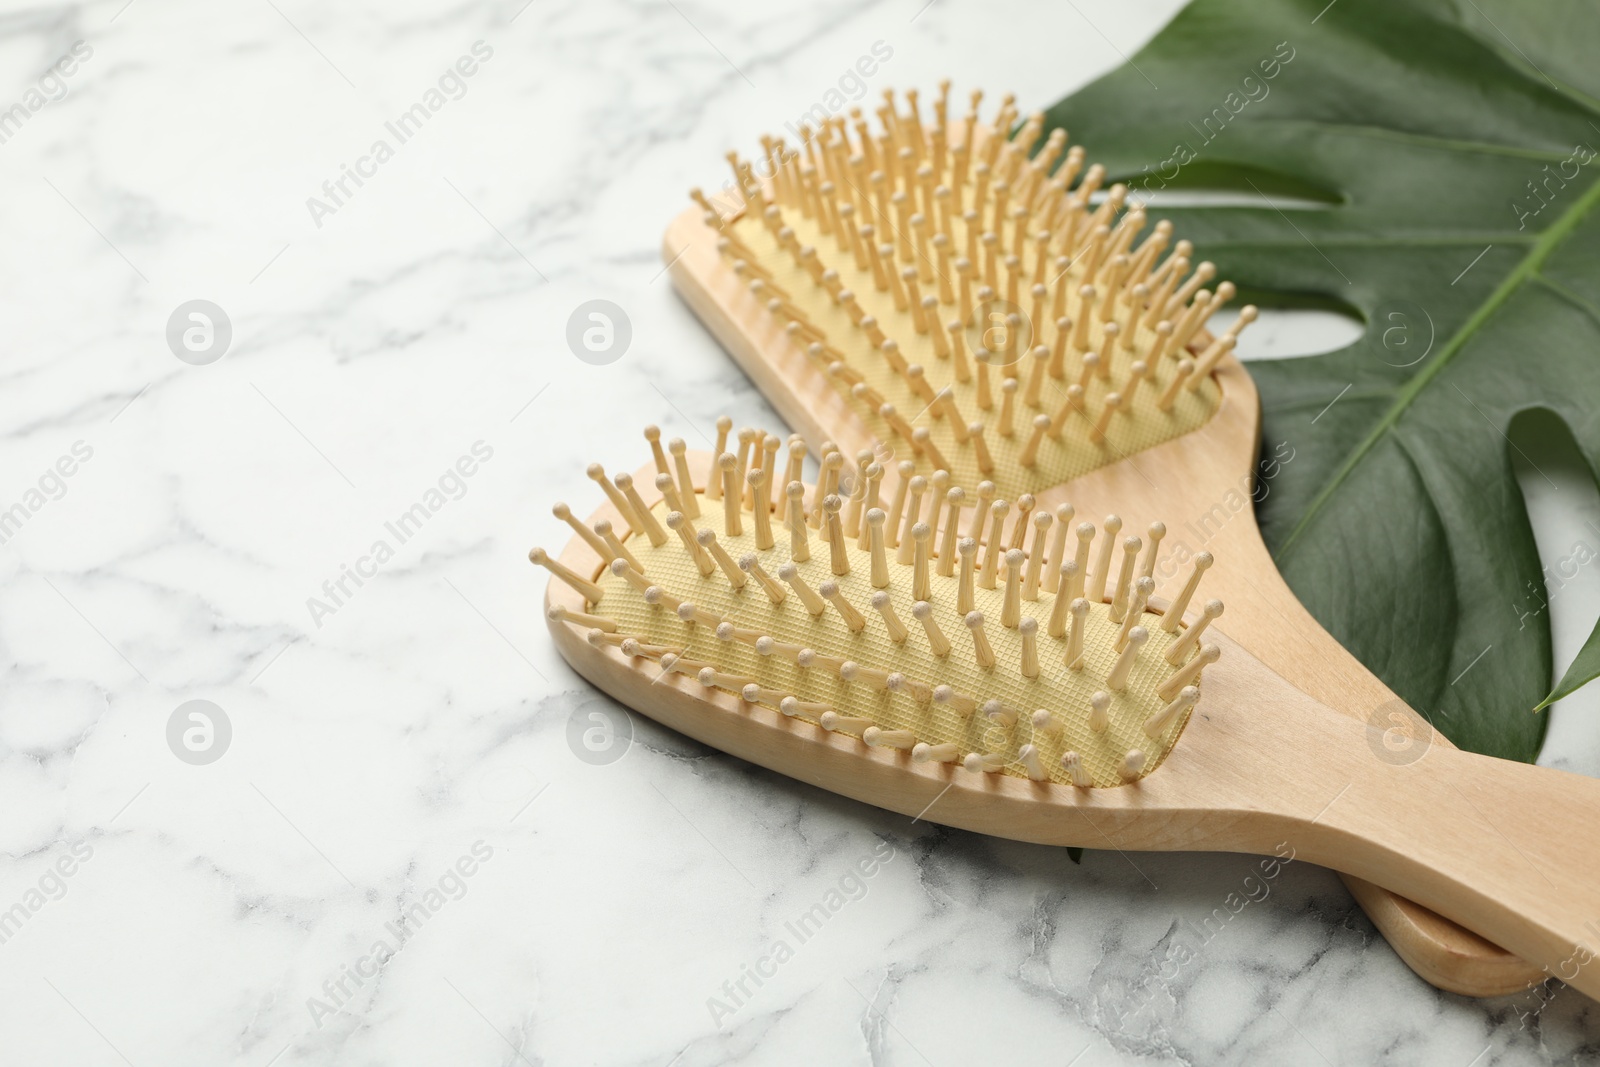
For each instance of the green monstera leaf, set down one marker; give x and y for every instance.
(1428, 166)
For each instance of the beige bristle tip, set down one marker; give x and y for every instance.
(857, 504)
(942, 223)
(984, 763)
(1099, 706)
(1072, 763)
(1162, 720)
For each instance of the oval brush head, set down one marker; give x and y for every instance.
(981, 298)
(1033, 653)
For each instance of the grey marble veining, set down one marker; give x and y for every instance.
(406, 853)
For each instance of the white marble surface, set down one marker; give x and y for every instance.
(428, 716)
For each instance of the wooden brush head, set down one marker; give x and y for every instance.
(981, 302)
(1006, 640)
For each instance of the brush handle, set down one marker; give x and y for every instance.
(1208, 508)
(1503, 848)
(1266, 617)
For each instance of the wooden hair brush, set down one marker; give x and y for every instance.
(989, 680)
(984, 305)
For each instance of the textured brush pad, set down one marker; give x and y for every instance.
(976, 292)
(1064, 693)
(1136, 428)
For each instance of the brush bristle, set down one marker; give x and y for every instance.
(1008, 661)
(980, 297)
